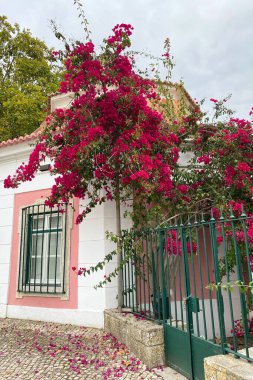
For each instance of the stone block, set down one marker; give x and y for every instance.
(135, 332)
(152, 356)
(144, 338)
(226, 367)
(153, 336)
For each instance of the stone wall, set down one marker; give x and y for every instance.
(144, 338)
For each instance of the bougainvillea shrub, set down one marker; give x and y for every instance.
(110, 142)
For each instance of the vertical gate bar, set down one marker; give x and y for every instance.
(147, 262)
(130, 287)
(168, 272)
(222, 221)
(129, 268)
(196, 227)
(136, 280)
(140, 280)
(49, 247)
(133, 278)
(122, 275)
(242, 296)
(187, 287)
(126, 302)
(126, 283)
(243, 219)
(123, 270)
(157, 274)
(203, 223)
(135, 273)
(217, 280)
(161, 251)
(144, 271)
(193, 271)
(153, 272)
(126, 280)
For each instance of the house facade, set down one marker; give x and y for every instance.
(39, 246)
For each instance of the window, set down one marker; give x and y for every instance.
(42, 250)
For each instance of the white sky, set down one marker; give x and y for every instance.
(212, 40)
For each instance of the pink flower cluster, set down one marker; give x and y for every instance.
(174, 244)
(239, 330)
(27, 172)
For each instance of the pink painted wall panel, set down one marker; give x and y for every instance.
(26, 199)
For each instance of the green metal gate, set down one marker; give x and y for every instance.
(190, 334)
(182, 275)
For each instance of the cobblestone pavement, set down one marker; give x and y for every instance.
(50, 351)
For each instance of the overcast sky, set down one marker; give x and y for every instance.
(212, 40)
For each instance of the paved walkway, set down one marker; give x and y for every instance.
(49, 351)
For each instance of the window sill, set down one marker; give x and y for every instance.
(62, 296)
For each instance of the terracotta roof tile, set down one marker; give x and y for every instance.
(31, 136)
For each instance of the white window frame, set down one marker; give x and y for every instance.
(48, 289)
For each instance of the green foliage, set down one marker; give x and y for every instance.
(28, 73)
(231, 286)
(127, 242)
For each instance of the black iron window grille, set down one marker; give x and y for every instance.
(42, 250)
